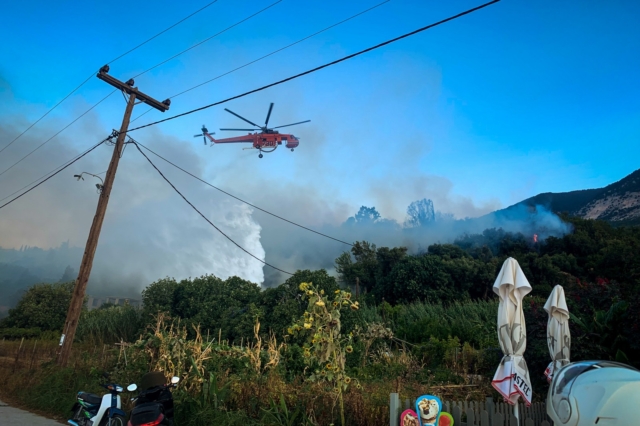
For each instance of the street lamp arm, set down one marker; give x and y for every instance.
(90, 174)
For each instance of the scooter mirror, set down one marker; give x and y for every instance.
(174, 380)
(132, 387)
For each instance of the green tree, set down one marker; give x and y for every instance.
(43, 306)
(364, 268)
(158, 297)
(215, 304)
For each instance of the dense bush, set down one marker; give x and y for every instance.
(18, 333)
(43, 306)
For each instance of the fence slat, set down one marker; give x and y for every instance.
(457, 415)
(484, 419)
(394, 409)
(471, 418)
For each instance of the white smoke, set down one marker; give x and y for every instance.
(149, 231)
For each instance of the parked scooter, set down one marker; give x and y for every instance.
(93, 410)
(154, 404)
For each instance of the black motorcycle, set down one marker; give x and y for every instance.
(154, 403)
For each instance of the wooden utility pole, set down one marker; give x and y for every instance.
(77, 299)
(357, 286)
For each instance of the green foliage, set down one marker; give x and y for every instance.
(280, 415)
(470, 321)
(326, 347)
(284, 304)
(110, 324)
(19, 333)
(205, 406)
(43, 306)
(55, 389)
(158, 297)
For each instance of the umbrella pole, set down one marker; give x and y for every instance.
(516, 414)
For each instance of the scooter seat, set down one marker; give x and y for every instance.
(145, 413)
(90, 398)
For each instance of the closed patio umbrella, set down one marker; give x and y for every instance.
(558, 335)
(512, 377)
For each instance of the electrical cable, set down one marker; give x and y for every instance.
(49, 177)
(207, 39)
(269, 54)
(205, 218)
(59, 131)
(164, 31)
(175, 56)
(92, 74)
(240, 199)
(114, 134)
(318, 68)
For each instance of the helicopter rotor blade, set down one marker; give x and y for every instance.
(241, 117)
(242, 130)
(266, 122)
(293, 124)
(197, 136)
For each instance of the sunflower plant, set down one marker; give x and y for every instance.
(326, 347)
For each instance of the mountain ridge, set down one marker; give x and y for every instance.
(618, 203)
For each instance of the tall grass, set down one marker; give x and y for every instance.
(110, 325)
(472, 322)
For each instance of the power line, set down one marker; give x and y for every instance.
(318, 68)
(164, 31)
(49, 177)
(209, 38)
(204, 217)
(269, 54)
(53, 170)
(240, 199)
(92, 74)
(173, 57)
(59, 131)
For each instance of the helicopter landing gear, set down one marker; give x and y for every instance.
(291, 149)
(260, 156)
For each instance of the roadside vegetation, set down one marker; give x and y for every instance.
(312, 352)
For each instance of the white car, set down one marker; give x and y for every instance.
(594, 393)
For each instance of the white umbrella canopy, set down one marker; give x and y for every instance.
(558, 335)
(512, 377)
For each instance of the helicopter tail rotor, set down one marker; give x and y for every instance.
(204, 134)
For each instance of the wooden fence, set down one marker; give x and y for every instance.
(472, 413)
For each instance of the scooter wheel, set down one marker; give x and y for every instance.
(113, 421)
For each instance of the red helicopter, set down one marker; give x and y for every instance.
(267, 140)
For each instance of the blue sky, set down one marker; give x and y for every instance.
(516, 99)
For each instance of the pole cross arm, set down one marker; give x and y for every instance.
(127, 87)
